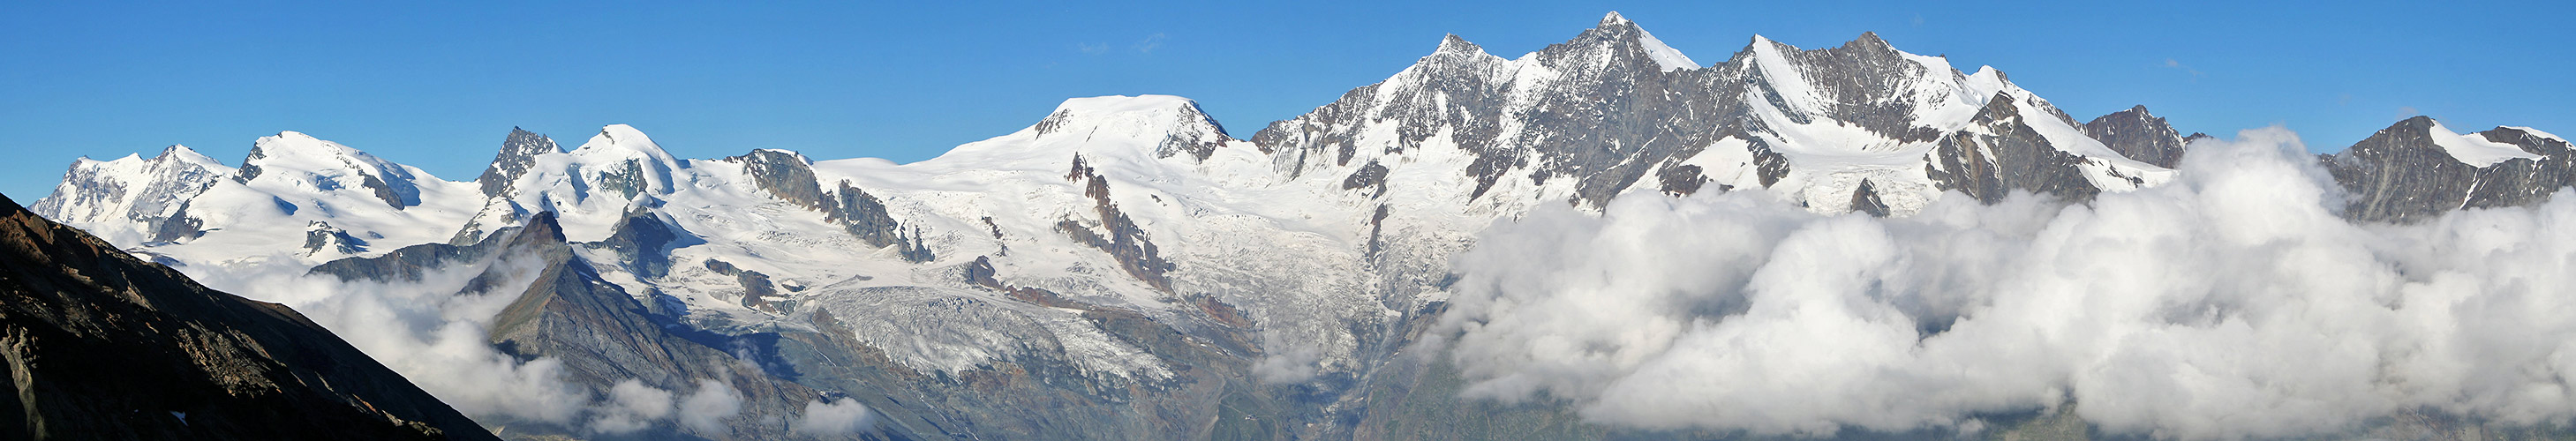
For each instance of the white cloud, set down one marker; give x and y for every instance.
(436, 336)
(631, 406)
(426, 331)
(837, 418)
(1150, 43)
(2172, 64)
(1292, 364)
(704, 411)
(2230, 304)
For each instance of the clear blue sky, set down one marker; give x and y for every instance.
(438, 87)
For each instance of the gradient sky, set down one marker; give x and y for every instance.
(438, 87)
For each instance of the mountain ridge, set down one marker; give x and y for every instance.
(1135, 268)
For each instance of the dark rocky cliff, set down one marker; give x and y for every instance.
(2138, 135)
(2401, 175)
(102, 346)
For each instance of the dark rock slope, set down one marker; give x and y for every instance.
(99, 345)
(2401, 175)
(2139, 135)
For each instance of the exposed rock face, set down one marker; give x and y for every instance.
(1371, 176)
(866, 218)
(1591, 117)
(177, 226)
(1608, 122)
(2000, 153)
(1125, 242)
(321, 237)
(603, 336)
(1683, 179)
(2405, 173)
(785, 174)
(643, 242)
(409, 264)
(1866, 200)
(150, 193)
(756, 287)
(2139, 135)
(518, 152)
(102, 346)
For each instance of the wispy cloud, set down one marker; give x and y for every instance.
(1151, 42)
(2172, 64)
(1092, 48)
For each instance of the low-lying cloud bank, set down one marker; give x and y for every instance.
(435, 334)
(2232, 303)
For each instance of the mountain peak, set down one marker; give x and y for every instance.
(518, 153)
(297, 144)
(2474, 151)
(2420, 130)
(1452, 44)
(625, 138)
(2138, 135)
(1613, 19)
(1871, 41)
(1141, 115)
(303, 152)
(1106, 129)
(1618, 31)
(313, 163)
(2535, 132)
(183, 153)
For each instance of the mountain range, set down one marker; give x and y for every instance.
(1125, 267)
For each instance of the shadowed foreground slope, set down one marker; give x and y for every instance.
(98, 345)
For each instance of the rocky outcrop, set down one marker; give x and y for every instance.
(2000, 153)
(1124, 241)
(786, 175)
(643, 242)
(2138, 135)
(866, 218)
(320, 237)
(2405, 174)
(1866, 200)
(518, 152)
(756, 287)
(409, 264)
(177, 226)
(1371, 176)
(102, 346)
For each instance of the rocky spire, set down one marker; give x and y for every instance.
(518, 152)
(2138, 135)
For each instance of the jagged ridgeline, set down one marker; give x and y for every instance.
(1125, 268)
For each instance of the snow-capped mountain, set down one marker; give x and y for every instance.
(1125, 268)
(1589, 119)
(132, 200)
(2417, 169)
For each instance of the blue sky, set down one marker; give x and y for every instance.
(438, 87)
